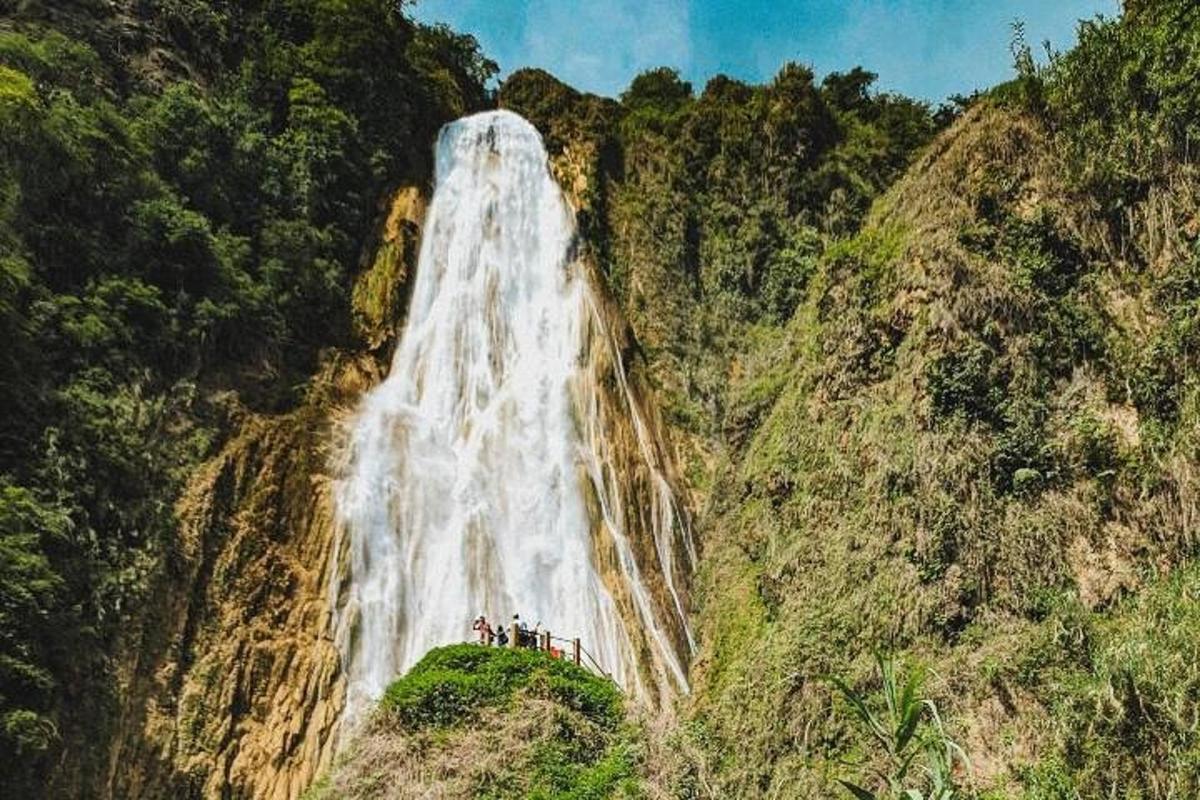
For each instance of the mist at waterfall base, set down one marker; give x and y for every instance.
(476, 477)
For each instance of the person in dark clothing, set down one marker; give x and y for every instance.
(522, 631)
(501, 637)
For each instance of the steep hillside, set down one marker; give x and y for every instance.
(976, 445)
(964, 433)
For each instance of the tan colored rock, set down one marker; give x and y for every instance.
(381, 291)
(247, 624)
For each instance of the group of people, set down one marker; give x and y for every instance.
(498, 636)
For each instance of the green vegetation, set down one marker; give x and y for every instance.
(1124, 101)
(555, 731)
(908, 728)
(708, 212)
(1121, 691)
(451, 683)
(934, 375)
(185, 190)
(973, 445)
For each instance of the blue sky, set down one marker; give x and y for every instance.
(925, 48)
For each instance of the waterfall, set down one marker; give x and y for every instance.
(506, 465)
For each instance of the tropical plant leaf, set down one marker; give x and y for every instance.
(887, 669)
(905, 764)
(859, 792)
(907, 736)
(859, 707)
(910, 716)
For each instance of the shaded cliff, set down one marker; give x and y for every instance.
(234, 686)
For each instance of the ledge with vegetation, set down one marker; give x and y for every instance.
(472, 721)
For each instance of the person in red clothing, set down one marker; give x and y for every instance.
(484, 630)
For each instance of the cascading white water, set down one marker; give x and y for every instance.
(477, 477)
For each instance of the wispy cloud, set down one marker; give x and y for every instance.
(928, 48)
(600, 46)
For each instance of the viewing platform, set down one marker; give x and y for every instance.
(556, 647)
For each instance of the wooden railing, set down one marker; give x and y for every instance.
(543, 641)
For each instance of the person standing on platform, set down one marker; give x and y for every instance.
(484, 630)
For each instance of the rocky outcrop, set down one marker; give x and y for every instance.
(643, 500)
(381, 291)
(243, 695)
(534, 727)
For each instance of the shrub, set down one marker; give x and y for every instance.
(963, 381)
(451, 684)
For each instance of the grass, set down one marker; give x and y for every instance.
(943, 461)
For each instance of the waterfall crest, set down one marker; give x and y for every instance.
(506, 465)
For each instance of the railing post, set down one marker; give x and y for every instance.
(544, 644)
(514, 638)
(576, 655)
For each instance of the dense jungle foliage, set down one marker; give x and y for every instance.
(185, 191)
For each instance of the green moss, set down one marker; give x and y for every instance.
(450, 684)
(17, 93)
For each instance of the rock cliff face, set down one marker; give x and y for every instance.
(646, 492)
(235, 687)
(382, 288)
(247, 694)
(631, 430)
